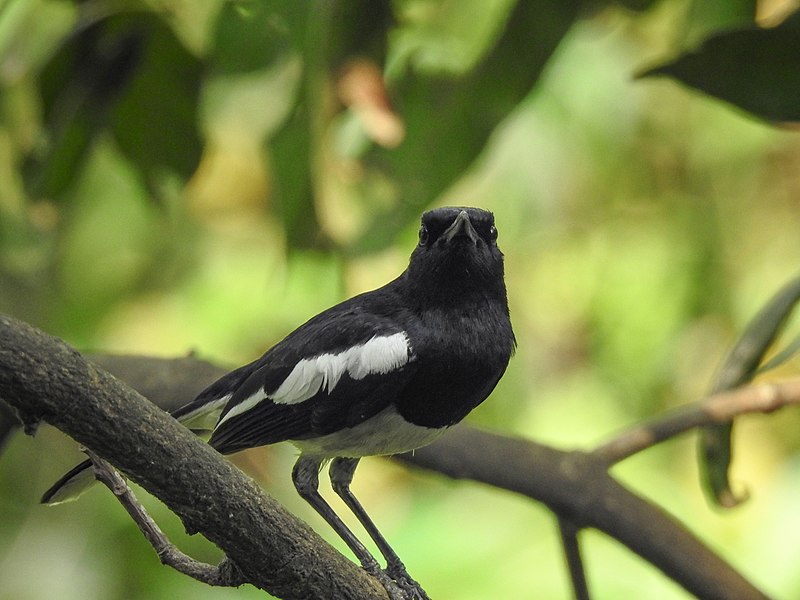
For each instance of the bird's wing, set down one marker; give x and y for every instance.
(201, 414)
(334, 372)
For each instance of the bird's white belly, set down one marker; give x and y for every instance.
(385, 433)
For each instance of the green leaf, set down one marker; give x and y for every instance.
(707, 17)
(155, 121)
(754, 68)
(782, 357)
(460, 108)
(637, 5)
(327, 34)
(249, 36)
(129, 75)
(739, 367)
(450, 118)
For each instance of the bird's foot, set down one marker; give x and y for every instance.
(394, 589)
(397, 582)
(407, 583)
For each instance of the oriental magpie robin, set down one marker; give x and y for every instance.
(384, 372)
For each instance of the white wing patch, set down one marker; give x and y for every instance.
(381, 354)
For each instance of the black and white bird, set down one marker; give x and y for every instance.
(382, 373)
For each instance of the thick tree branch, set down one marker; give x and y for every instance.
(575, 485)
(45, 380)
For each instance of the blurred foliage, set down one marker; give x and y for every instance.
(755, 68)
(743, 362)
(179, 176)
(126, 76)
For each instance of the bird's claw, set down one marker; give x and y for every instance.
(399, 585)
(407, 583)
(393, 589)
(412, 590)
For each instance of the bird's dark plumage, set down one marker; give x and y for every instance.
(384, 372)
(430, 346)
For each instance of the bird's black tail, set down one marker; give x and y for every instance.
(70, 485)
(200, 415)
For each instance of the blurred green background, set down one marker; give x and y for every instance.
(202, 177)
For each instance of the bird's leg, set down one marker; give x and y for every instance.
(341, 473)
(305, 477)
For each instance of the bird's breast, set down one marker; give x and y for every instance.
(460, 359)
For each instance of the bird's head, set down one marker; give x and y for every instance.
(457, 253)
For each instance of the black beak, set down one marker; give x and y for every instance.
(461, 227)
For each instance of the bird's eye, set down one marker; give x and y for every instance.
(493, 233)
(423, 235)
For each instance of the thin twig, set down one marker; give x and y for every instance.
(572, 552)
(226, 574)
(713, 410)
